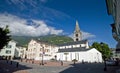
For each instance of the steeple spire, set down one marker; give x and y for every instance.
(77, 33)
(77, 29)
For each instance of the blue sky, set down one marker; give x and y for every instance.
(44, 17)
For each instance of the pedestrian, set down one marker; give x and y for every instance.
(32, 61)
(61, 63)
(7, 61)
(82, 61)
(74, 61)
(11, 62)
(26, 60)
(21, 59)
(17, 64)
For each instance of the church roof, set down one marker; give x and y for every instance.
(73, 50)
(74, 43)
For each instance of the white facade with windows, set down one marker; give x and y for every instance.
(22, 52)
(9, 50)
(88, 55)
(38, 50)
(77, 44)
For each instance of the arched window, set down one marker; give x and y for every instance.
(76, 35)
(77, 39)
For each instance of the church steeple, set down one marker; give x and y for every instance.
(77, 29)
(77, 33)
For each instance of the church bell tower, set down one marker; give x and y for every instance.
(77, 33)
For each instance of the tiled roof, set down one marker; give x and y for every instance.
(74, 43)
(73, 50)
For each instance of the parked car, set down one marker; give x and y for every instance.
(111, 62)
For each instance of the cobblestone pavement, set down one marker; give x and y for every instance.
(11, 67)
(77, 68)
(54, 67)
(50, 67)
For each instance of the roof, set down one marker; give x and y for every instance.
(73, 50)
(74, 43)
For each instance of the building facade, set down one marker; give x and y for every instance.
(38, 50)
(77, 44)
(22, 52)
(113, 8)
(9, 51)
(80, 55)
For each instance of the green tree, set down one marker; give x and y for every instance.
(4, 36)
(103, 48)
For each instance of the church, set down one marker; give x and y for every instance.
(78, 50)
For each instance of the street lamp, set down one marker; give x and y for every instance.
(105, 68)
(42, 55)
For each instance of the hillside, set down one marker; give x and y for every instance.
(53, 39)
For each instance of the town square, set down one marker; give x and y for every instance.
(59, 36)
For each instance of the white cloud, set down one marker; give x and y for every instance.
(20, 27)
(85, 35)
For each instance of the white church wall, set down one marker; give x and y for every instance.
(87, 56)
(69, 46)
(87, 45)
(83, 45)
(77, 45)
(96, 55)
(62, 47)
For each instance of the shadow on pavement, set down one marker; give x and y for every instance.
(12, 67)
(90, 68)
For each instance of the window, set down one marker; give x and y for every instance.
(80, 46)
(41, 49)
(76, 35)
(8, 52)
(40, 55)
(77, 39)
(8, 46)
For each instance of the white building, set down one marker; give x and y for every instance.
(76, 44)
(79, 54)
(22, 52)
(78, 50)
(10, 50)
(38, 50)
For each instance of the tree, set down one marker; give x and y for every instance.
(103, 48)
(4, 36)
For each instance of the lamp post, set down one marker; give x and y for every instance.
(104, 57)
(42, 55)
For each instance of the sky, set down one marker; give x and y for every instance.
(45, 17)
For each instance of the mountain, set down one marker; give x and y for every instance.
(52, 39)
